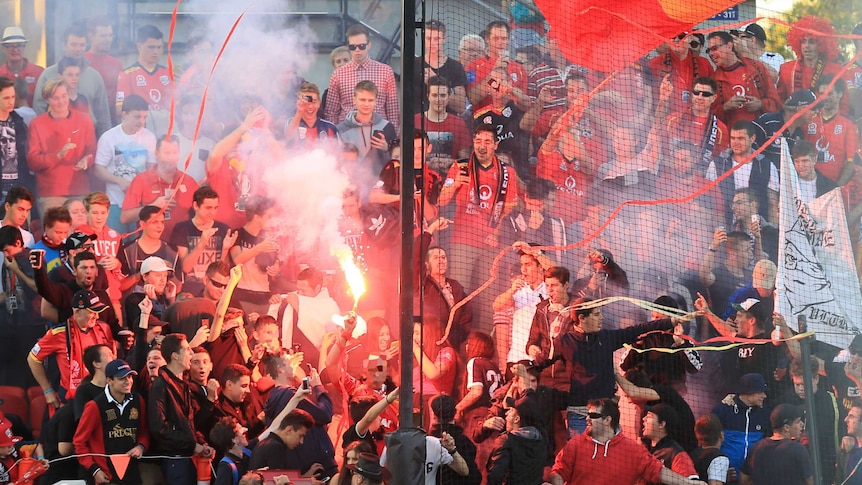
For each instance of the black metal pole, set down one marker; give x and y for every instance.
(405, 287)
(810, 407)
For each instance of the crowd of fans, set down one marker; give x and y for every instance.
(152, 301)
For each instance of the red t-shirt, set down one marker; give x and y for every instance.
(148, 186)
(231, 180)
(472, 213)
(746, 78)
(447, 137)
(572, 184)
(154, 87)
(836, 141)
(109, 67)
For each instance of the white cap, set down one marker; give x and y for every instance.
(154, 263)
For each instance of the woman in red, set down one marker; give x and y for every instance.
(62, 143)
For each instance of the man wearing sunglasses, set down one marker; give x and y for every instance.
(17, 66)
(696, 124)
(745, 89)
(603, 456)
(339, 100)
(680, 67)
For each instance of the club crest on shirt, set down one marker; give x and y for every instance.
(133, 414)
(507, 112)
(164, 80)
(839, 129)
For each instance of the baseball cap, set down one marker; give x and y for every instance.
(119, 368)
(76, 240)
(13, 35)
(756, 31)
(763, 275)
(369, 466)
(666, 414)
(785, 414)
(751, 384)
(87, 300)
(800, 98)
(528, 410)
(752, 306)
(7, 438)
(856, 344)
(154, 263)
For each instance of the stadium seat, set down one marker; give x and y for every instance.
(14, 401)
(34, 392)
(37, 412)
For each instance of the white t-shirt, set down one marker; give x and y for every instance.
(808, 190)
(435, 457)
(718, 469)
(125, 156)
(743, 175)
(526, 300)
(200, 152)
(29, 240)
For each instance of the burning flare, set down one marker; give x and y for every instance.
(351, 273)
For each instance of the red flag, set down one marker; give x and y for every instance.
(611, 36)
(120, 462)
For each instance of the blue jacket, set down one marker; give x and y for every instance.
(317, 447)
(743, 426)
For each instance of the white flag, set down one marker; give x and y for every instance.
(816, 271)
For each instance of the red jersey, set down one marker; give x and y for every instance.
(154, 87)
(70, 354)
(795, 75)
(836, 140)
(148, 186)
(685, 126)
(473, 213)
(478, 69)
(745, 78)
(30, 74)
(108, 243)
(571, 182)
(682, 72)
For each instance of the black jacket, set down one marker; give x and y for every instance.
(465, 448)
(171, 416)
(518, 458)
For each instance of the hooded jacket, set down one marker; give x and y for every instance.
(518, 458)
(615, 462)
(743, 426)
(359, 134)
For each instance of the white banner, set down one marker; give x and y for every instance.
(816, 271)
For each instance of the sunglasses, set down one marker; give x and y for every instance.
(715, 47)
(702, 94)
(596, 415)
(218, 285)
(14, 46)
(361, 47)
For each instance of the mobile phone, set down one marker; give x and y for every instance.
(463, 166)
(305, 384)
(309, 368)
(495, 85)
(308, 98)
(378, 132)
